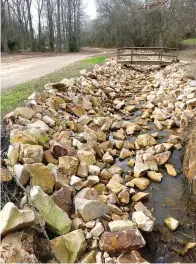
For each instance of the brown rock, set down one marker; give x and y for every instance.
(63, 198)
(60, 149)
(68, 165)
(116, 242)
(131, 257)
(49, 158)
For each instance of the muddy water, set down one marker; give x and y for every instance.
(170, 197)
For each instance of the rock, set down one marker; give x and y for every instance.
(94, 170)
(21, 174)
(115, 170)
(115, 184)
(25, 112)
(83, 169)
(88, 257)
(125, 153)
(105, 175)
(92, 180)
(60, 149)
(13, 153)
(17, 136)
(107, 158)
(143, 221)
(131, 163)
(116, 242)
(191, 102)
(49, 158)
(141, 183)
(145, 140)
(90, 224)
(41, 176)
(86, 156)
(5, 175)
(78, 110)
(124, 196)
(131, 257)
(99, 258)
(63, 198)
(170, 169)
(119, 135)
(155, 176)
(150, 162)
(68, 248)
(40, 135)
(11, 218)
(34, 152)
(171, 223)
(97, 230)
(140, 169)
(160, 114)
(158, 124)
(88, 205)
(68, 165)
(76, 182)
(131, 128)
(120, 225)
(48, 120)
(56, 219)
(39, 125)
(119, 144)
(140, 196)
(162, 158)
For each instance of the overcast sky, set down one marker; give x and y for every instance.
(90, 8)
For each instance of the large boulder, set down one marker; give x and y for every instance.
(68, 248)
(11, 218)
(117, 242)
(56, 219)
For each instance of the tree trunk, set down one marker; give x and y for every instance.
(4, 29)
(50, 25)
(30, 26)
(58, 46)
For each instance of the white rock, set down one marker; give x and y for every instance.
(97, 230)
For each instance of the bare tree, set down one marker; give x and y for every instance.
(58, 46)
(32, 42)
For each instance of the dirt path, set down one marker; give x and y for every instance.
(32, 68)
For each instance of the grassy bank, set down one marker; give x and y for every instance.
(15, 97)
(191, 41)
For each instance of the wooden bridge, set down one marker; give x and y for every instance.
(147, 56)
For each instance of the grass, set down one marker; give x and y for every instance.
(191, 41)
(15, 97)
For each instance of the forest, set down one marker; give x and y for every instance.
(57, 25)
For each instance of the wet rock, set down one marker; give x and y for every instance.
(11, 218)
(145, 140)
(41, 176)
(120, 225)
(25, 112)
(63, 198)
(140, 196)
(5, 175)
(162, 158)
(21, 174)
(107, 158)
(86, 156)
(97, 230)
(155, 176)
(88, 205)
(115, 184)
(68, 165)
(125, 153)
(68, 248)
(116, 242)
(140, 169)
(141, 183)
(131, 257)
(131, 163)
(171, 223)
(143, 220)
(56, 219)
(170, 169)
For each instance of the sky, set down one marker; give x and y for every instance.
(90, 8)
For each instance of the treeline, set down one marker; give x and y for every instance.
(141, 23)
(40, 25)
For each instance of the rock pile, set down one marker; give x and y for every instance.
(65, 144)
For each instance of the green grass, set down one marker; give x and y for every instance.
(191, 41)
(15, 97)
